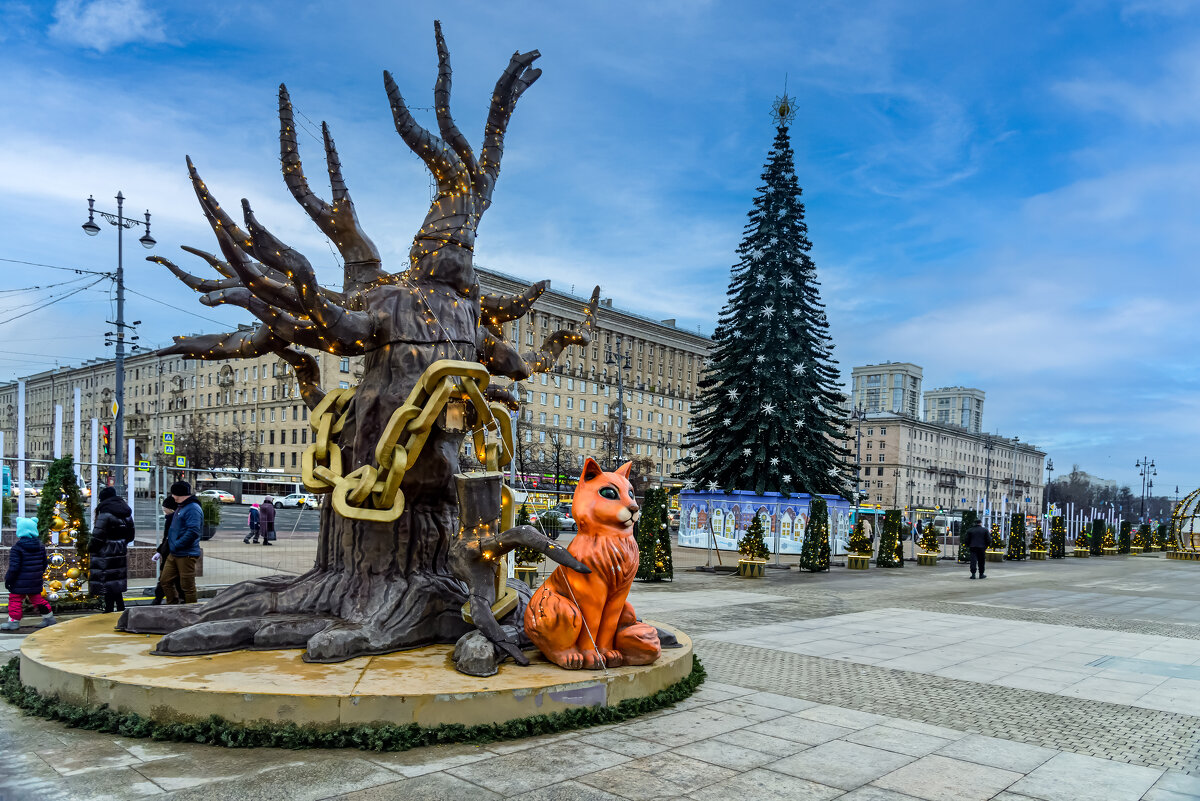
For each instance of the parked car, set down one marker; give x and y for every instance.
(220, 496)
(299, 500)
(33, 490)
(673, 519)
(566, 522)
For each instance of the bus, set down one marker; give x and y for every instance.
(251, 487)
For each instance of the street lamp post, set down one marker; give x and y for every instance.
(857, 416)
(623, 362)
(1146, 466)
(662, 461)
(1049, 477)
(91, 229)
(987, 491)
(1012, 483)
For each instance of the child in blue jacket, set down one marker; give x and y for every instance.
(26, 568)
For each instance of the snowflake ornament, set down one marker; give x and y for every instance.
(759, 278)
(712, 485)
(774, 461)
(689, 484)
(799, 422)
(787, 479)
(787, 280)
(726, 421)
(796, 312)
(768, 408)
(760, 358)
(732, 394)
(833, 471)
(757, 254)
(768, 311)
(773, 241)
(797, 369)
(745, 451)
(782, 212)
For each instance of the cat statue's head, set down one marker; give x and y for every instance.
(605, 500)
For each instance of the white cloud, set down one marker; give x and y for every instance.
(102, 25)
(1172, 98)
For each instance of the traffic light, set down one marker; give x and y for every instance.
(104, 438)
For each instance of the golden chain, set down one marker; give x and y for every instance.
(373, 493)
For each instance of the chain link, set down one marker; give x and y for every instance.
(373, 493)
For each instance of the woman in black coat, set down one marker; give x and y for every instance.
(108, 564)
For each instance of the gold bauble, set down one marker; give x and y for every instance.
(72, 585)
(73, 572)
(56, 585)
(57, 524)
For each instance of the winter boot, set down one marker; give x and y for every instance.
(246, 539)
(48, 620)
(11, 625)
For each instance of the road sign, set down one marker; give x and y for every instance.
(169, 450)
(115, 408)
(168, 438)
(181, 461)
(143, 466)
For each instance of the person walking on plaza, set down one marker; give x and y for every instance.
(26, 566)
(183, 543)
(108, 564)
(978, 538)
(163, 551)
(253, 522)
(266, 520)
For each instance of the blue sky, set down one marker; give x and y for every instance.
(1006, 196)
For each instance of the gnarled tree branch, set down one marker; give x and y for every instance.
(495, 309)
(441, 102)
(192, 282)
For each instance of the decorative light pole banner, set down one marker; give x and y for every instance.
(785, 518)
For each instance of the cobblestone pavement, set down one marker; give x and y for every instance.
(769, 723)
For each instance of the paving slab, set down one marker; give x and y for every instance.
(766, 785)
(1085, 778)
(939, 778)
(667, 775)
(529, 769)
(841, 764)
(997, 753)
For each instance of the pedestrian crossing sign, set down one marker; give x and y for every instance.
(181, 461)
(143, 466)
(168, 450)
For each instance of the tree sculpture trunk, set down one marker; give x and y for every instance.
(375, 586)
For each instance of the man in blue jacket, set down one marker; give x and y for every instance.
(183, 545)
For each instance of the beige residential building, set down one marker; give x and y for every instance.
(956, 406)
(255, 405)
(906, 462)
(889, 387)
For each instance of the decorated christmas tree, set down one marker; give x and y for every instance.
(997, 541)
(1143, 539)
(654, 538)
(928, 541)
(814, 555)
(1037, 541)
(1096, 540)
(768, 418)
(1058, 538)
(1123, 540)
(1109, 540)
(969, 519)
(1083, 538)
(1016, 539)
(62, 524)
(859, 543)
(523, 554)
(753, 545)
(1162, 537)
(889, 540)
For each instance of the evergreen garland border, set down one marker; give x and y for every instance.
(387, 737)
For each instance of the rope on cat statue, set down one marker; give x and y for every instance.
(373, 493)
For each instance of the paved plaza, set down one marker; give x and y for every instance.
(1070, 679)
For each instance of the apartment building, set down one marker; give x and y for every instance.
(255, 410)
(888, 387)
(960, 406)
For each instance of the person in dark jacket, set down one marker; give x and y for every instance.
(108, 564)
(26, 567)
(977, 539)
(183, 542)
(266, 520)
(253, 521)
(162, 551)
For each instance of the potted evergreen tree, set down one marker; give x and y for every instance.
(753, 549)
(1058, 538)
(1110, 542)
(860, 545)
(814, 556)
(1037, 542)
(1083, 545)
(995, 551)
(889, 540)
(1142, 541)
(931, 549)
(1016, 539)
(212, 517)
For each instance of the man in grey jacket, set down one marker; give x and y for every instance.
(978, 538)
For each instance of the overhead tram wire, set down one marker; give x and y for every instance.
(49, 303)
(78, 270)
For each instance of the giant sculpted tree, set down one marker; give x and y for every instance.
(378, 584)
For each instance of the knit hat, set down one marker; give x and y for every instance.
(169, 503)
(27, 527)
(108, 492)
(181, 488)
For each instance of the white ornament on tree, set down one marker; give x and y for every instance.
(757, 254)
(787, 280)
(732, 394)
(768, 408)
(787, 479)
(745, 451)
(774, 461)
(760, 358)
(768, 311)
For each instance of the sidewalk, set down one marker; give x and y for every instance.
(1071, 680)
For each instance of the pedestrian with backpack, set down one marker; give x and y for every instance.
(266, 520)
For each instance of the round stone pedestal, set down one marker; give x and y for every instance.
(86, 662)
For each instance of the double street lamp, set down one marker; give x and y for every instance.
(91, 229)
(857, 416)
(623, 362)
(1147, 469)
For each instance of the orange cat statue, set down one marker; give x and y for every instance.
(583, 620)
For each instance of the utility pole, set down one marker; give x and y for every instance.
(1146, 465)
(1049, 481)
(91, 229)
(1012, 483)
(623, 362)
(857, 416)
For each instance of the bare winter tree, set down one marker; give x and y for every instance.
(375, 587)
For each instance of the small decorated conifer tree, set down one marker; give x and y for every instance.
(1083, 540)
(523, 555)
(1096, 540)
(1123, 540)
(997, 543)
(1110, 541)
(889, 540)
(1162, 537)
(1143, 539)
(655, 559)
(1058, 538)
(1037, 541)
(969, 519)
(753, 544)
(814, 556)
(62, 524)
(928, 541)
(859, 543)
(1016, 539)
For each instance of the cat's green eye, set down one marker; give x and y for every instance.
(609, 492)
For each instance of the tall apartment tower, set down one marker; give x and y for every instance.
(893, 387)
(956, 406)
